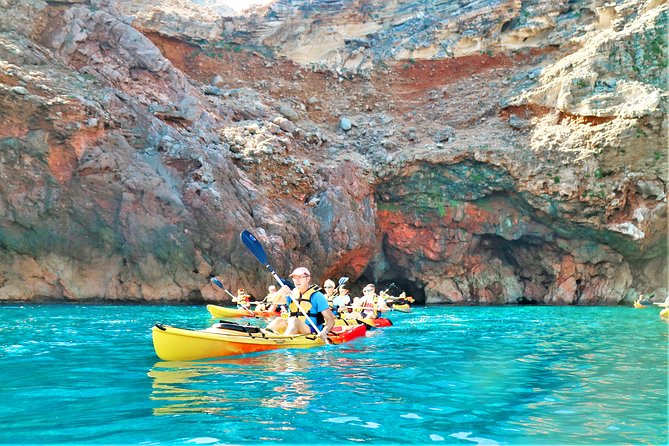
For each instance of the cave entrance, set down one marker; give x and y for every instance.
(394, 285)
(521, 256)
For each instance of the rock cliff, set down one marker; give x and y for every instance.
(472, 152)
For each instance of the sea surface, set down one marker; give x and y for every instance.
(440, 375)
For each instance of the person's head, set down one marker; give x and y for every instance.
(329, 287)
(241, 292)
(368, 290)
(343, 289)
(302, 278)
(271, 289)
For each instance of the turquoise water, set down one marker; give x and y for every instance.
(440, 375)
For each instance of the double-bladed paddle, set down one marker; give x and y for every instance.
(253, 245)
(219, 284)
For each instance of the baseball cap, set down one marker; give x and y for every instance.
(301, 271)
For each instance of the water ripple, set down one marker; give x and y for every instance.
(480, 376)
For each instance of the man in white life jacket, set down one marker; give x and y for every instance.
(311, 300)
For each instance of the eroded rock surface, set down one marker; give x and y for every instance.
(481, 152)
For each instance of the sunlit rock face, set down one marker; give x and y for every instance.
(473, 152)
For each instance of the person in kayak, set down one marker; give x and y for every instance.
(329, 287)
(311, 300)
(342, 300)
(243, 298)
(267, 300)
(372, 304)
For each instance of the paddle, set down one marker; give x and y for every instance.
(390, 300)
(389, 287)
(219, 284)
(257, 250)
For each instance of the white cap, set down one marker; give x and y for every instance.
(301, 271)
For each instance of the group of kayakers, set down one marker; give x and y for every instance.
(644, 301)
(311, 309)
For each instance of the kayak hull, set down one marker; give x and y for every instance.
(229, 312)
(401, 308)
(178, 344)
(376, 322)
(218, 311)
(381, 322)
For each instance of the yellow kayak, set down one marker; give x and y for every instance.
(405, 308)
(637, 304)
(178, 344)
(230, 312)
(664, 314)
(218, 311)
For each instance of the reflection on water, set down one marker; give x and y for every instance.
(274, 381)
(282, 379)
(184, 387)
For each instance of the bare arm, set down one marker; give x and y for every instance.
(279, 298)
(329, 322)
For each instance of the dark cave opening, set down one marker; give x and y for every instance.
(520, 256)
(392, 285)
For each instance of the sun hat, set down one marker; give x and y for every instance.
(301, 271)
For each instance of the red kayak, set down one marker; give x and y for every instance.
(345, 334)
(369, 322)
(380, 322)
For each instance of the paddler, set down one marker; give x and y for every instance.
(329, 287)
(311, 300)
(271, 290)
(243, 298)
(371, 303)
(342, 300)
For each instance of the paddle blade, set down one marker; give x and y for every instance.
(217, 282)
(343, 280)
(254, 246)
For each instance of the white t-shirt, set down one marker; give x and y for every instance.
(340, 300)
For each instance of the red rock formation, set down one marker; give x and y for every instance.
(493, 158)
